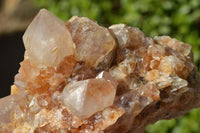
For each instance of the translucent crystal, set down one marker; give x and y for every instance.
(181, 47)
(46, 40)
(14, 89)
(85, 33)
(66, 66)
(80, 77)
(84, 98)
(81, 72)
(171, 65)
(10, 104)
(128, 37)
(105, 75)
(157, 51)
(109, 116)
(150, 90)
(152, 75)
(27, 71)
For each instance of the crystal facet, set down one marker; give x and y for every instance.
(84, 98)
(128, 37)
(85, 33)
(47, 41)
(80, 77)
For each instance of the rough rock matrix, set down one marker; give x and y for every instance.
(81, 77)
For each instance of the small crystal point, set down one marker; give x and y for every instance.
(47, 40)
(84, 98)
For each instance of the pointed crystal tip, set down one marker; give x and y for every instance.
(84, 98)
(47, 40)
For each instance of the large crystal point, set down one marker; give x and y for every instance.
(47, 40)
(84, 98)
(94, 43)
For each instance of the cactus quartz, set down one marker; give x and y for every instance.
(81, 77)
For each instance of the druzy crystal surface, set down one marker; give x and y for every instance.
(81, 77)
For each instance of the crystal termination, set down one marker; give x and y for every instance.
(81, 77)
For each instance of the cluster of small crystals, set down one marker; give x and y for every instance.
(81, 77)
(150, 64)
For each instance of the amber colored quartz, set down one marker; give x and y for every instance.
(79, 77)
(128, 37)
(85, 33)
(174, 44)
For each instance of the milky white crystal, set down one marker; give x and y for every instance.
(47, 40)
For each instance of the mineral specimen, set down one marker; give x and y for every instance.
(82, 77)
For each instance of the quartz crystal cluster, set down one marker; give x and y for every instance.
(81, 77)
